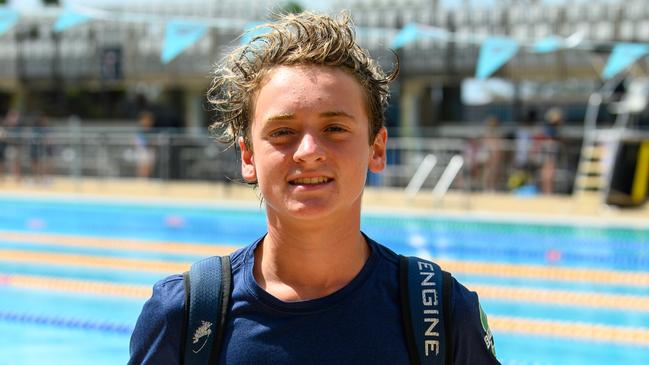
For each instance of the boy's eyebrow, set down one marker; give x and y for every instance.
(291, 116)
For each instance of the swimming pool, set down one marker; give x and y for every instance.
(74, 274)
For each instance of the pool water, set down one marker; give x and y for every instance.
(75, 273)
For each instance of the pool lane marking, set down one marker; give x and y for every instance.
(492, 292)
(111, 263)
(115, 243)
(66, 322)
(89, 287)
(562, 297)
(560, 329)
(571, 330)
(615, 277)
(628, 278)
(469, 267)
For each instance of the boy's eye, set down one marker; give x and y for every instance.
(335, 128)
(281, 132)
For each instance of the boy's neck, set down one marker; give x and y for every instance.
(310, 262)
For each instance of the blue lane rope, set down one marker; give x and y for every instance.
(76, 323)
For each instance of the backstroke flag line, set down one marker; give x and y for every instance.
(8, 18)
(494, 52)
(179, 35)
(548, 44)
(413, 31)
(68, 19)
(622, 56)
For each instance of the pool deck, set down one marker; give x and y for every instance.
(556, 207)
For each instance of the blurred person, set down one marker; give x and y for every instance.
(493, 149)
(40, 148)
(14, 141)
(547, 147)
(145, 153)
(524, 166)
(3, 150)
(305, 105)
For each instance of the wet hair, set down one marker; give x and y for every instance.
(294, 39)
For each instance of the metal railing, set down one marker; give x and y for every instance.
(176, 155)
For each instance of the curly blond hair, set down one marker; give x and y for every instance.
(294, 39)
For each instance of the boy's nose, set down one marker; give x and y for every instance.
(309, 149)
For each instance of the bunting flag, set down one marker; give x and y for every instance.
(407, 34)
(413, 31)
(8, 18)
(68, 19)
(548, 44)
(622, 56)
(179, 35)
(252, 30)
(494, 52)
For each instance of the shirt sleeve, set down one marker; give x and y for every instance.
(156, 337)
(472, 338)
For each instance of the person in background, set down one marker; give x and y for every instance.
(13, 127)
(548, 148)
(524, 166)
(145, 152)
(493, 149)
(40, 148)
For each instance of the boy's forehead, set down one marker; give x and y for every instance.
(310, 76)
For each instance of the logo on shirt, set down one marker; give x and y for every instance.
(431, 313)
(488, 337)
(202, 331)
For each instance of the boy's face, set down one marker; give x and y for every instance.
(309, 143)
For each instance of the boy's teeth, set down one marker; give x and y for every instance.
(310, 180)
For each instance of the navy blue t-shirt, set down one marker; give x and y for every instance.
(358, 324)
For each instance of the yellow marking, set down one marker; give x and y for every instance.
(94, 261)
(114, 243)
(641, 178)
(562, 297)
(79, 286)
(459, 267)
(628, 278)
(577, 331)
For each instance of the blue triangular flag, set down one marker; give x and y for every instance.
(69, 18)
(494, 52)
(179, 35)
(8, 18)
(251, 30)
(622, 56)
(407, 34)
(548, 44)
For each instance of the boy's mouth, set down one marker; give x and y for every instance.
(310, 180)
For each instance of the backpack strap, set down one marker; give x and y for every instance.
(425, 293)
(207, 293)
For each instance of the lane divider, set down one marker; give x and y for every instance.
(628, 278)
(66, 322)
(562, 297)
(575, 331)
(579, 331)
(198, 249)
(75, 286)
(88, 261)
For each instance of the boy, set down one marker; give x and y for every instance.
(305, 105)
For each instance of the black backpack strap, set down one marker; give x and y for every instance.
(447, 292)
(207, 294)
(422, 307)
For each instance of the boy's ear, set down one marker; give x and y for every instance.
(378, 151)
(247, 162)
